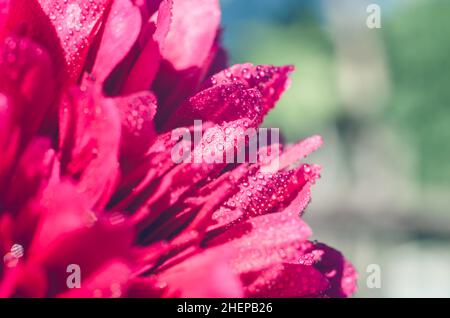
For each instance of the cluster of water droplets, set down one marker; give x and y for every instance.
(262, 192)
(228, 102)
(74, 22)
(261, 77)
(12, 258)
(221, 143)
(137, 113)
(17, 54)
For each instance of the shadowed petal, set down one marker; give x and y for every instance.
(186, 51)
(90, 140)
(27, 78)
(121, 31)
(340, 273)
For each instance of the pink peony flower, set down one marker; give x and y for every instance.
(91, 92)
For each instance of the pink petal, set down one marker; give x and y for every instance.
(295, 153)
(145, 68)
(4, 9)
(30, 174)
(121, 31)
(76, 23)
(138, 132)
(110, 281)
(192, 32)
(145, 287)
(90, 141)
(263, 193)
(70, 233)
(219, 104)
(27, 78)
(204, 275)
(286, 281)
(26, 18)
(186, 51)
(264, 241)
(9, 139)
(271, 81)
(31, 282)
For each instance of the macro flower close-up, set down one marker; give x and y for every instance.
(122, 125)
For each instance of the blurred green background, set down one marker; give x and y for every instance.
(381, 100)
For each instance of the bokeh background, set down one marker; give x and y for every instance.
(381, 100)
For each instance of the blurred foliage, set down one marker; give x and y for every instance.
(295, 39)
(381, 100)
(415, 39)
(418, 48)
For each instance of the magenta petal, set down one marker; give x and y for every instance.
(90, 139)
(9, 139)
(145, 287)
(110, 281)
(144, 69)
(287, 280)
(76, 23)
(147, 64)
(26, 18)
(340, 273)
(27, 78)
(31, 173)
(31, 282)
(270, 80)
(192, 32)
(121, 31)
(219, 104)
(295, 153)
(138, 132)
(269, 192)
(264, 241)
(4, 8)
(204, 275)
(186, 51)
(73, 234)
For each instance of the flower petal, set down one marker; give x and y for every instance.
(76, 23)
(286, 280)
(186, 51)
(121, 31)
(270, 80)
(219, 104)
(192, 32)
(263, 193)
(27, 78)
(110, 281)
(90, 141)
(340, 273)
(204, 275)
(148, 62)
(30, 174)
(264, 241)
(138, 131)
(27, 19)
(293, 154)
(70, 233)
(4, 9)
